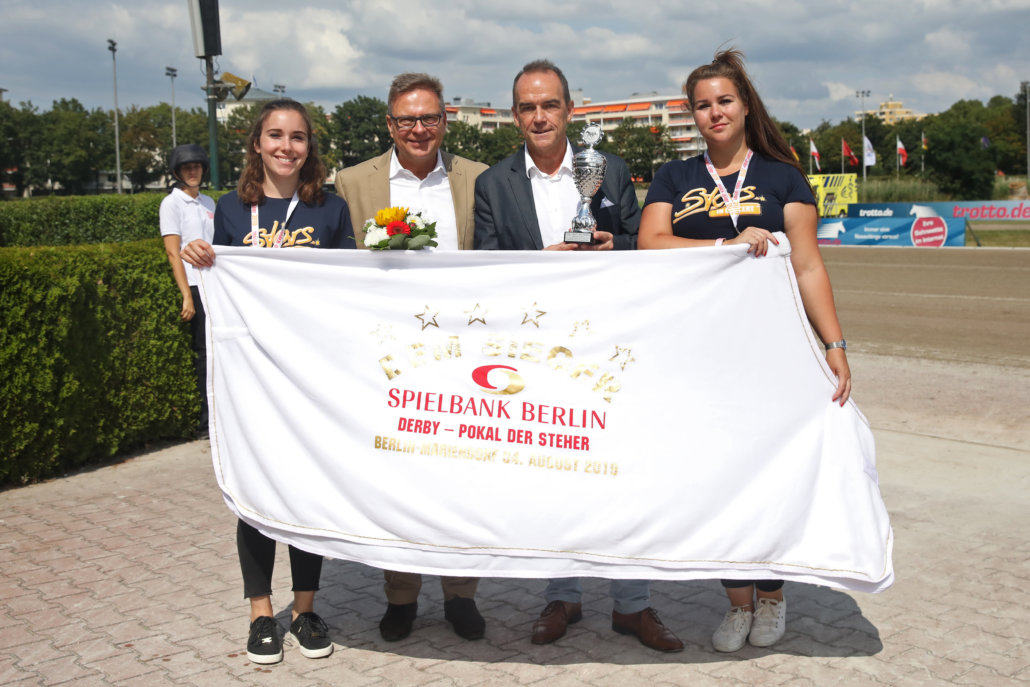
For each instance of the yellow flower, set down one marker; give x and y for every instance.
(387, 215)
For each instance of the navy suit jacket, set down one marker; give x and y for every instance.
(506, 214)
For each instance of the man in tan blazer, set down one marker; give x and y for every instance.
(417, 175)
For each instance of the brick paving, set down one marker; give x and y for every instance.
(127, 575)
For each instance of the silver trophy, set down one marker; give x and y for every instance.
(588, 167)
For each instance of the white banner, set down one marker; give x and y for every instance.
(647, 414)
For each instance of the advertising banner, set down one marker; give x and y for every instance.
(540, 414)
(997, 210)
(834, 193)
(922, 232)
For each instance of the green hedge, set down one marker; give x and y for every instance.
(76, 220)
(94, 360)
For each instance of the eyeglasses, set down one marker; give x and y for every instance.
(429, 121)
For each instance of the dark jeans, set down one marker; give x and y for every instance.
(257, 558)
(762, 585)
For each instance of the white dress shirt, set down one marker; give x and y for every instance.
(432, 196)
(555, 197)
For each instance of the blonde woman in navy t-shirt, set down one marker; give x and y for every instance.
(745, 187)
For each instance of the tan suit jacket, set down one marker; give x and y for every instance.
(366, 188)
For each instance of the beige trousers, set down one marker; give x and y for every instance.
(403, 587)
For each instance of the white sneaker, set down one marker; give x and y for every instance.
(733, 631)
(770, 622)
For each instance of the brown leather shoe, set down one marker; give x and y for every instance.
(648, 628)
(554, 620)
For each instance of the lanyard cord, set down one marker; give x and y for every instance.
(732, 202)
(280, 235)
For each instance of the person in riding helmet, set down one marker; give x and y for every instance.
(187, 214)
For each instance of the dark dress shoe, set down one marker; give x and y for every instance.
(554, 620)
(464, 616)
(648, 628)
(397, 621)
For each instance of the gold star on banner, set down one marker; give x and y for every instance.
(535, 319)
(627, 356)
(383, 332)
(476, 314)
(432, 319)
(585, 324)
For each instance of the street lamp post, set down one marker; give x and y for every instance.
(113, 47)
(172, 72)
(1026, 104)
(862, 95)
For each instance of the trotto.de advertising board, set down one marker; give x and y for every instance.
(930, 225)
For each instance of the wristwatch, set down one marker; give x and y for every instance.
(837, 344)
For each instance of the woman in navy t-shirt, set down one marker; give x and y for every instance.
(279, 203)
(745, 187)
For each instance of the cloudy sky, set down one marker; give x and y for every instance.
(807, 57)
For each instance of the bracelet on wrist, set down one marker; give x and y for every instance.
(842, 344)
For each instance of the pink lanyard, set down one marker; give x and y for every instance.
(732, 203)
(280, 235)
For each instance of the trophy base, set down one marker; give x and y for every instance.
(582, 237)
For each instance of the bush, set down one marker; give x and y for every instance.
(76, 220)
(93, 358)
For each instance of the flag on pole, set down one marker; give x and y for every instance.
(814, 153)
(845, 150)
(902, 153)
(985, 142)
(795, 154)
(926, 144)
(868, 152)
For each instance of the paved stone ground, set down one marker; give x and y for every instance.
(127, 574)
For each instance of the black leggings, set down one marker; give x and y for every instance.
(257, 558)
(762, 585)
(199, 338)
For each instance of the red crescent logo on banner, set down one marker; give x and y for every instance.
(515, 384)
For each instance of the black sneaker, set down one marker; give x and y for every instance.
(312, 635)
(465, 617)
(265, 644)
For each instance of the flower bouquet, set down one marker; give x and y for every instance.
(398, 229)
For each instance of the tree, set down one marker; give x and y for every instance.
(322, 130)
(359, 130)
(18, 127)
(643, 147)
(232, 141)
(499, 144)
(958, 161)
(72, 147)
(142, 154)
(464, 139)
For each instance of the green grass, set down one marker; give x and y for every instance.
(1000, 238)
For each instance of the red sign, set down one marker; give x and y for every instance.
(929, 232)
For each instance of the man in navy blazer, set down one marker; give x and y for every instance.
(527, 202)
(507, 215)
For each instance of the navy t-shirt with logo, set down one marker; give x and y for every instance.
(317, 226)
(698, 210)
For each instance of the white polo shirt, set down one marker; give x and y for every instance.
(432, 196)
(555, 197)
(190, 218)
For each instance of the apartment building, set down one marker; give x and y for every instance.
(652, 109)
